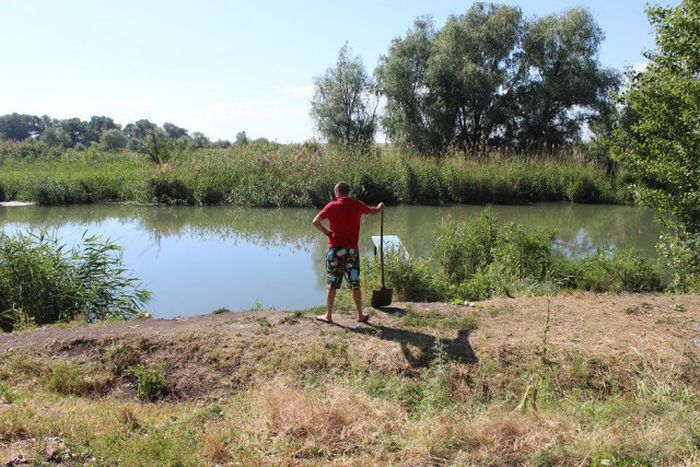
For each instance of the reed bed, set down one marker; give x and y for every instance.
(301, 175)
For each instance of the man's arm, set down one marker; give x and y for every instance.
(318, 223)
(373, 210)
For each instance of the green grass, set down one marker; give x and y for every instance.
(272, 175)
(434, 320)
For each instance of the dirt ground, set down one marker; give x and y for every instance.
(211, 355)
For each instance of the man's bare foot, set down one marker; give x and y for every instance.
(324, 318)
(363, 319)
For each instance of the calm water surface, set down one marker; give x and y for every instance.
(198, 259)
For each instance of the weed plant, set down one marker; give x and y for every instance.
(150, 383)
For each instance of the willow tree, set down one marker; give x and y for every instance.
(451, 87)
(490, 78)
(344, 105)
(565, 85)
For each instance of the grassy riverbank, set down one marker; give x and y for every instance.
(269, 175)
(579, 379)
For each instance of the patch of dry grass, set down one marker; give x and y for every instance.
(390, 393)
(329, 423)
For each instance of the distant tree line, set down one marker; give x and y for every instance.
(141, 135)
(487, 78)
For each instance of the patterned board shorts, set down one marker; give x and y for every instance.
(343, 262)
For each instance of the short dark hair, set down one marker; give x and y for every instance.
(342, 188)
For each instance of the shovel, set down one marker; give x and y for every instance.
(381, 297)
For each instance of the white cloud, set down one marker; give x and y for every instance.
(641, 67)
(284, 122)
(300, 91)
(133, 102)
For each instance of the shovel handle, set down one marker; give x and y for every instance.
(381, 244)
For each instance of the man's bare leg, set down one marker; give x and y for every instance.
(330, 300)
(357, 297)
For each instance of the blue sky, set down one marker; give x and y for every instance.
(224, 66)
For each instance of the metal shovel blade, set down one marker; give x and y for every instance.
(382, 297)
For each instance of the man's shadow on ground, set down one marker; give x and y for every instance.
(458, 349)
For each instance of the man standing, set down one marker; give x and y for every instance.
(343, 257)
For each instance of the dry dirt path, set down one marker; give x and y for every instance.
(213, 354)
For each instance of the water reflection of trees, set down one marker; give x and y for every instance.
(580, 228)
(266, 227)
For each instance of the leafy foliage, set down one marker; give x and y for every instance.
(490, 78)
(612, 271)
(18, 127)
(344, 105)
(463, 248)
(43, 282)
(482, 257)
(660, 143)
(113, 140)
(150, 383)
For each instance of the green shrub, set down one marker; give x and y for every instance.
(479, 287)
(150, 383)
(480, 258)
(465, 248)
(171, 191)
(682, 254)
(613, 271)
(412, 280)
(42, 281)
(521, 254)
(588, 190)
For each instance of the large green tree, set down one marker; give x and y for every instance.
(413, 114)
(565, 85)
(173, 131)
(344, 105)
(19, 127)
(56, 137)
(100, 124)
(489, 78)
(79, 131)
(660, 140)
(241, 138)
(146, 137)
(452, 87)
(113, 140)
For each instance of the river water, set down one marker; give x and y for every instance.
(198, 259)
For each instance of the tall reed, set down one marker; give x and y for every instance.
(301, 175)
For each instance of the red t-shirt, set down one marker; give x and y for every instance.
(344, 215)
